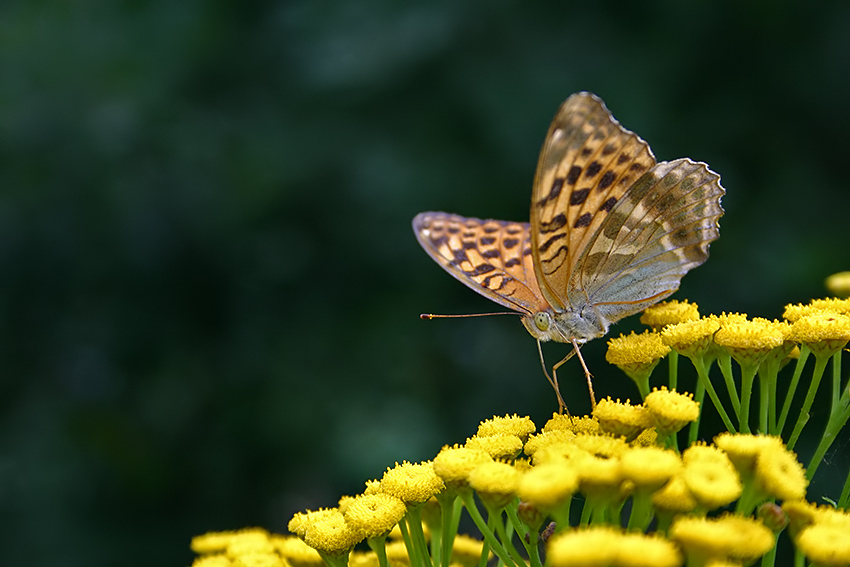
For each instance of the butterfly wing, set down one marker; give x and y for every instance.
(490, 256)
(587, 163)
(659, 230)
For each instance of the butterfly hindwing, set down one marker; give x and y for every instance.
(490, 256)
(659, 230)
(587, 163)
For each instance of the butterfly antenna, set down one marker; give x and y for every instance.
(562, 407)
(429, 316)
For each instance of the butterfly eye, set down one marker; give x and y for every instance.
(541, 321)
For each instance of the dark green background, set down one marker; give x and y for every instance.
(209, 287)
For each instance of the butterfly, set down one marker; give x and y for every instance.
(612, 232)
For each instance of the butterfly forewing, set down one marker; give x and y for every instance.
(659, 230)
(490, 256)
(587, 163)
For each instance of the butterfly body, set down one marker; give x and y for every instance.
(612, 231)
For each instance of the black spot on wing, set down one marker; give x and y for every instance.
(592, 169)
(608, 205)
(510, 242)
(573, 175)
(579, 196)
(583, 221)
(606, 180)
(552, 239)
(559, 221)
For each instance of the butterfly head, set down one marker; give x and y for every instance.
(580, 324)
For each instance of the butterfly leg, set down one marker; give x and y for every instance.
(562, 407)
(577, 351)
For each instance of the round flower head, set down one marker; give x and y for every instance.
(833, 517)
(636, 355)
(670, 410)
(331, 534)
(727, 537)
(825, 333)
(839, 284)
(214, 542)
(649, 467)
(710, 476)
(547, 438)
(212, 561)
(496, 483)
(669, 313)
(622, 419)
(824, 544)
(549, 485)
(520, 427)
(568, 423)
(374, 515)
(749, 342)
(599, 477)
(800, 514)
(691, 338)
(362, 559)
(600, 445)
(498, 445)
(412, 483)
(779, 474)
(466, 551)
(675, 497)
(743, 448)
(301, 520)
(642, 550)
(589, 547)
(794, 312)
(453, 464)
(296, 552)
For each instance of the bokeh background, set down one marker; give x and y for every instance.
(209, 287)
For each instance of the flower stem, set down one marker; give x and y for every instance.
(803, 418)
(838, 415)
(724, 361)
(699, 364)
(748, 374)
(673, 371)
(792, 388)
(489, 537)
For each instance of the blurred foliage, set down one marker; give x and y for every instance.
(208, 283)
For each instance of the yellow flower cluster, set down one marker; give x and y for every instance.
(599, 458)
(820, 532)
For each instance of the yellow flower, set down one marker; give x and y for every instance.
(600, 445)
(562, 422)
(212, 561)
(825, 332)
(710, 476)
(496, 483)
(691, 338)
(296, 552)
(674, 497)
(466, 551)
(453, 464)
(641, 550)
(636, 355)
(800, 514)
(330, 533)
(595, 546)
(213, 542)
(520, 427)
(743, 449)
(825, 544)
(749, 341)
(599, 477)
(374, 515)
(258, 560)
(829, 515)
(621, 419)
(497, 445)
(362, 559)
(779, 474)
(839, 284)
(549, 485)
(397, 553)
(649, 467)
(670, 410)
(669, 313)
(412, 483)
(546, 438)
(727, 537)
(794, 312)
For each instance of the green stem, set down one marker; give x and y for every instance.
(379, 546)
(699, 397)
(724, 361)
(803, 418)
(416, 535)
(673, 369)
(641, 514)
(335, 560)
(764, 401)
(769, 558)
(528, 537)
(838, 415)
(703, 377)
(450, 506)
(748, 375)
(792, 389)
(494, 520)
(489, 537)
